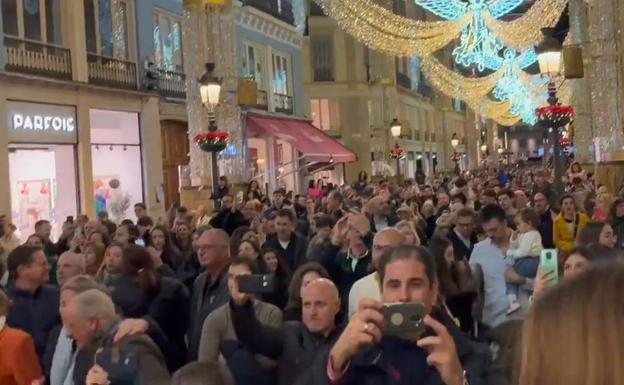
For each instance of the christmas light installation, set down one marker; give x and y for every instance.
(477, 42)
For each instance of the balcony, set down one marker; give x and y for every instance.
(262, 100)
(280, 9)
(403, 80)
(37, 58)
(110, 72)
(171, 84)
(323, 74)
(283, 103)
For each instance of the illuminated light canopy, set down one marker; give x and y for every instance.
(477, 42)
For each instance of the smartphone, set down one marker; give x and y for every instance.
(69, 219)
(140, 242)
(402, 319)
(550, 262)
(256, 283)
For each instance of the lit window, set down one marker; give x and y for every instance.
(325, 113)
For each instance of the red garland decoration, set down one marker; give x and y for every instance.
(555, 116)
(397, 153)
(211, 137)
(455, 156)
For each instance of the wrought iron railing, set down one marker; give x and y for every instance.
(37, 58)
(280, 9)
(107, 71)
(171, 84)
(283, 103)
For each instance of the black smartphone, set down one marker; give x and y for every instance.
(401, 319)
(69, 219)
(256, 283)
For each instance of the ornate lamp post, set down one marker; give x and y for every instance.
(212, 141)
(554, 116)
(455, 156)
(396, 152)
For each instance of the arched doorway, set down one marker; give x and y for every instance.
(175, 147)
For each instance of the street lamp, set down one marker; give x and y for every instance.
(549, 58)
(454, 141)
(210, 91)
(484, 148)
(455, 157)
(395, 130)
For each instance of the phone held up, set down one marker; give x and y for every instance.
(549, 262)
(256, 283)
(404, 319)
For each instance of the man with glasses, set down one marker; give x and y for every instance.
(462, 236)
(210, 289)
(368, 287)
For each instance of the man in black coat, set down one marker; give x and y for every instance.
(292, 245)
(541, 201)
(35, 304)
(210, 289)
(462, 236)
(297, 345)
(229, 217)
(366, 354)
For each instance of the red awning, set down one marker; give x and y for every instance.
(314, 144)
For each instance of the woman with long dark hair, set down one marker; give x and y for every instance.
(273, 263)
(139, 291)
(254, 191)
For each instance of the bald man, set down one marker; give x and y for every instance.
(69, 265)
(295, 345)
(368, 286)
(210, 289)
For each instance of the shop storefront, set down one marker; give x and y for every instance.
(43, 169)
(116, 162)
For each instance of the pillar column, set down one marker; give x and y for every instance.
(74, 37)
(85, 163)
(5, 188)
(151, 152)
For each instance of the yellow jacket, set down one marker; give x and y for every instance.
(563, 237)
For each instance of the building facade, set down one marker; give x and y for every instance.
(354, 94)
(82, 119)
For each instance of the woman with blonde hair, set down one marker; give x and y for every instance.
(409, 231)
(572, 335)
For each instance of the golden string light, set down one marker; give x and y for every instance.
(526, 29)
(382, 30)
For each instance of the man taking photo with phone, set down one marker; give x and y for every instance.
(435, 354)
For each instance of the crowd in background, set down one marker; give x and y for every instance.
(159, 301)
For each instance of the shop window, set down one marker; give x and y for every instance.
(116, 159)
(107, 27)
(252, 64)
(167, 35)
(325, 113)
(43, 186)
(37, 20)
(281, 74)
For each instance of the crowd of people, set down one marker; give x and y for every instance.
(168, 301)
